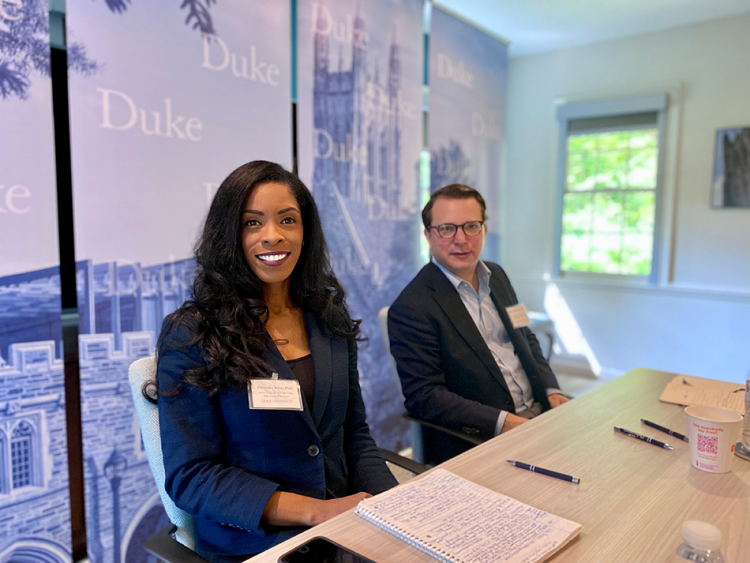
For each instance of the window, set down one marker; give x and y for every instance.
(21, 455)
(21, 460)
(610, 186)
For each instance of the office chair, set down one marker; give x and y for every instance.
(176, 543)
(417, 424)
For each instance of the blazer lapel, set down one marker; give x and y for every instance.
(279, 366)
(519, 343)
(450, 302)
(320, 345)
(501, 298)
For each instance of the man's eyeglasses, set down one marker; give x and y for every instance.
(449, 230)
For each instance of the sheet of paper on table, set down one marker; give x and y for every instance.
(457, 521)
(688, 391)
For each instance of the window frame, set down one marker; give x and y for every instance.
(29, 441)
(652, 103)
(39, 464)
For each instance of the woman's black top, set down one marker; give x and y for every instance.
(304, 371)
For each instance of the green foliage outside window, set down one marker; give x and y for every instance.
(609, 202)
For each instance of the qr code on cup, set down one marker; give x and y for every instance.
(708, 444)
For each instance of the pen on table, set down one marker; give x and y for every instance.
(543, 471)
(663, 429)
(643, 438)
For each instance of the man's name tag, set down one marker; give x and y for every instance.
(274, 394)
(518, 316)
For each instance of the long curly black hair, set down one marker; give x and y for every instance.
(227, 312)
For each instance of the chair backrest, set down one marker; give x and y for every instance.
(140, 372)
(383, 319)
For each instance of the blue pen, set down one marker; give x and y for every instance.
(547, 472)
(643, 438)
(663, 429)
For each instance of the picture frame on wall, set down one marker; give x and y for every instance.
(731, 183)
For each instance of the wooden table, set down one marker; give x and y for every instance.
(633, 496)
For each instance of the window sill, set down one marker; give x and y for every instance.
(23, 494)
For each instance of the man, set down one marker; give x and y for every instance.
(461, 362)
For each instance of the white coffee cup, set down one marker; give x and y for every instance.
(713, 433)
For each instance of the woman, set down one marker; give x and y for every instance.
(267, 311)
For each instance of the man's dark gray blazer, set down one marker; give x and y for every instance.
(448, 374)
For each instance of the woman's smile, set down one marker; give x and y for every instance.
(273, 258)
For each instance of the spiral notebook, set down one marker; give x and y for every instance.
(457, 521)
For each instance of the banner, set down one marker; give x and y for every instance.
(178, 95)
(468, 76)
(359, 118)
(34, 499)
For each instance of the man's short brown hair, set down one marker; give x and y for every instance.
(453, 191)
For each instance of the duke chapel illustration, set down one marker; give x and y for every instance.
(367, 209)
(358, 125)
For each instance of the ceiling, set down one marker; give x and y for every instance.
(536, 26)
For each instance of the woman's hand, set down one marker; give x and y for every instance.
(335, 506)
(290, 509)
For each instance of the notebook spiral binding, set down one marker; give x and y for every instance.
(438, 554)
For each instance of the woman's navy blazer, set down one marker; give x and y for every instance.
(223, 461)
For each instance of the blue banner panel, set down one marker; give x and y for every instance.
(468, 76)
(359, 92)
(176, 96)
(34, 499)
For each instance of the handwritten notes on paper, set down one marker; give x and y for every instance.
(687, 390)
(456, 520)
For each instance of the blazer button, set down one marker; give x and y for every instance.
(313, 450)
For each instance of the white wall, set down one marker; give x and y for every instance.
(697, 319)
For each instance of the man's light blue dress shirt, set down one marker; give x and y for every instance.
(484, 313)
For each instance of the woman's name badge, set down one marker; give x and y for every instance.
(275, 394)
(518, 316)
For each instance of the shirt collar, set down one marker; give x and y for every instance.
(483, 275)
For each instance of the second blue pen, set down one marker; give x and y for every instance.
(643, 438)
(547, 472)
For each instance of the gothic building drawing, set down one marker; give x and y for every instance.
(358, 127)
(449, 165)
(34, 499)
(121, 310)
(367, 214)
